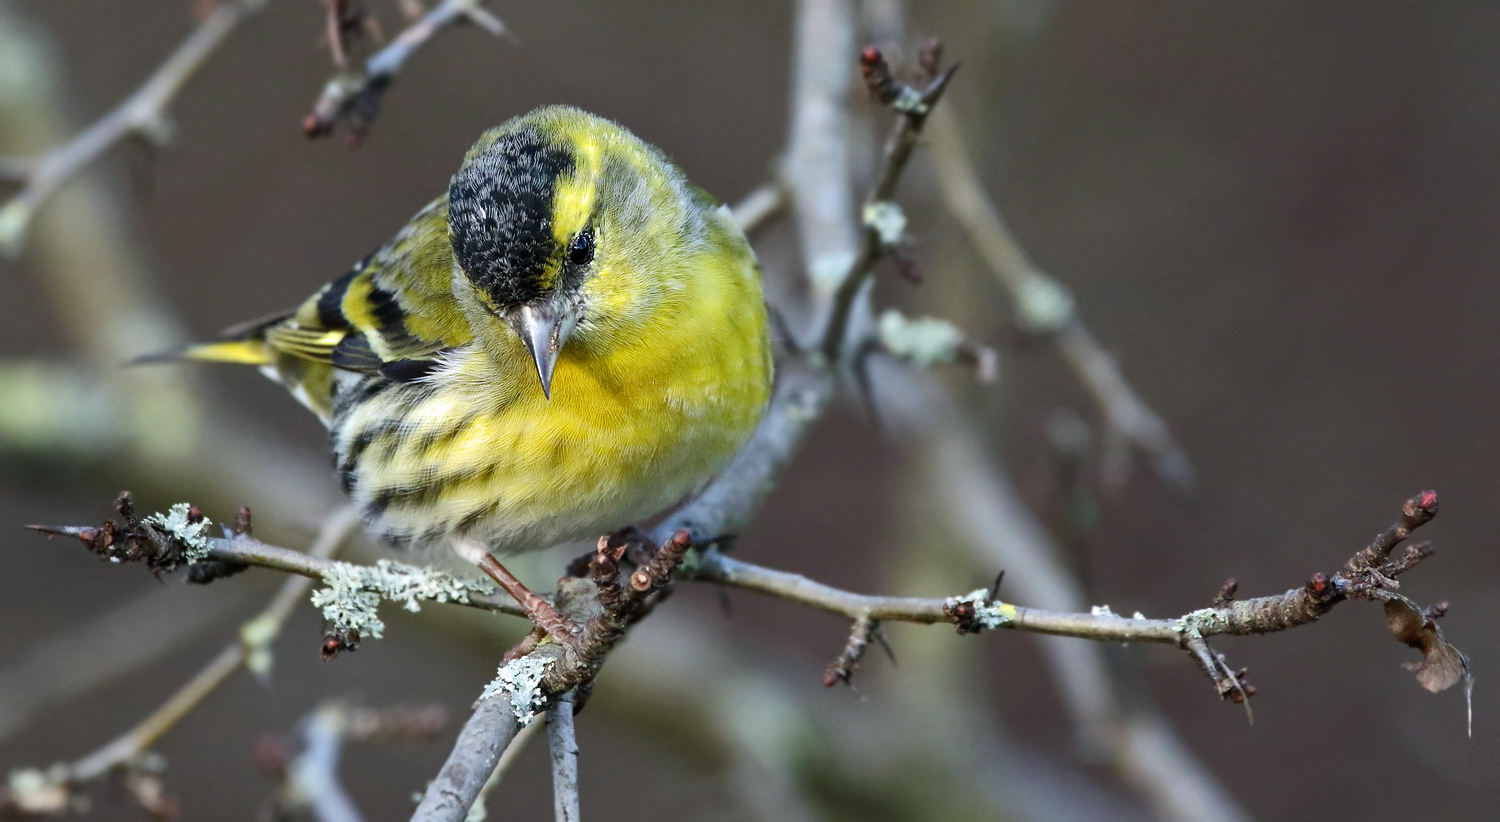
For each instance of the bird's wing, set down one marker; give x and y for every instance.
(389, 314)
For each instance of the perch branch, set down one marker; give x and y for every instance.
(266, 625)
(1369, 574)
(563, 743)
(251, 650)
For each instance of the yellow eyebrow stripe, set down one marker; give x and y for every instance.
(573, 198)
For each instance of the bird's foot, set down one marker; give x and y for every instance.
(631, 542)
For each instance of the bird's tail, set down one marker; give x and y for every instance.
(244, 344)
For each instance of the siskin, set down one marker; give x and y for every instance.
(571, 340)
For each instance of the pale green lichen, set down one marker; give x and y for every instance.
(39, 792)
(923, 341)
(1195, 623)
(909, 101)
(257, 635)
(987, 614)
(1043, 305)
(522, 679)
(191, 534)
(888, 220)
(354, 592)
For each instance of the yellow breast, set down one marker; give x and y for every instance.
(634, 423)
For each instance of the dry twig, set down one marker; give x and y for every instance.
(352, 96)
(143, 114)
(306, 762)
(251, 650)
(883, 223)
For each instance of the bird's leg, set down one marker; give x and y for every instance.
(541, 612)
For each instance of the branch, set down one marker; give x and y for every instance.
(884, 226)
(251, 650)
(1368, 575)
(502, 767)
(1044, 306)
(731, 500)
(606, 608)
(564, 753)
(485, 736)
(354, 96)
(143, 114)
(817, 152)
(533, 675)
(306, 762)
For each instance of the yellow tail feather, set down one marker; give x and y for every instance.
(243, 352)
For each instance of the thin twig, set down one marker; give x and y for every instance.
(314, 774)
(1045, 307)
(306, 762)
(914, 107)
(143, 114)
(817, 152)
(760, 207)
(353, 96)
(266, 625)
(563, 744)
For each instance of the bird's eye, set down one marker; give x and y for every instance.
(581, 250)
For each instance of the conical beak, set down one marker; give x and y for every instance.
(544, 327)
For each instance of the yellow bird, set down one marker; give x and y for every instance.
(569, 341)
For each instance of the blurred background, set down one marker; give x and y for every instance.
(1281, 217)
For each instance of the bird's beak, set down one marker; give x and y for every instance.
(544, 327)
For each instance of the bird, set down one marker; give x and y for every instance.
(567, 342)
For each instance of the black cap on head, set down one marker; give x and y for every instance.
(500, 216)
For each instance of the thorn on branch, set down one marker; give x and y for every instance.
(930, 60)
(906, 263)
(344, 22)
(604, 569)
(1319, 588)
(977, 610)
(208, 570)
(1226, 592)
(865, 630)
(1410, 556)
(657, 573)
(877, 75)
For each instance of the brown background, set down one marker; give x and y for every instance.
(1283, 217)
